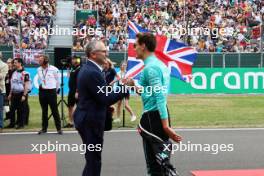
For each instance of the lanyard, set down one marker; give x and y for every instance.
(44, 75)
(74, 69)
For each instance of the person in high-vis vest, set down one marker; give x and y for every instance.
(20, 85)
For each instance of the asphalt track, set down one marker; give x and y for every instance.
(123, 153)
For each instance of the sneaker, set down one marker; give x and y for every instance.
(68, 126)
(10, 126)
(117, 120)
(6, 119)
(133, 118)
(59, 132)
(19, 127)
(42, 132)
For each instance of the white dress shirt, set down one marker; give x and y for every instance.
(49, 77)
(3, 72)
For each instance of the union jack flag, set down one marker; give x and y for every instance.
(178, 57)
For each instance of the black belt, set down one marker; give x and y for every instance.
(17, 93)
(47, 89)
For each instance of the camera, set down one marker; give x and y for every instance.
(67, 62)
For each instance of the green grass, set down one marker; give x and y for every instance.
(189, 111)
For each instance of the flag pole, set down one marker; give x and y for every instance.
(185, 22)
(184, 12)
(20, 36)
(124, 61)
(261, 43)
(124, 74)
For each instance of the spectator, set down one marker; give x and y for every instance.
(32, 15)
(78, 47)
(241, 20)
(3, 72)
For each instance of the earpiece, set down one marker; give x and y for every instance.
(79, 60)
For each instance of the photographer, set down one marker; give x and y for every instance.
(73, 94)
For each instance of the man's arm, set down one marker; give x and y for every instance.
(98, 87)
(26, 84)
(3, 71)
(116, 78)
(76, 92)
(57, 77)
(169, 131)
(154, 77)
(11, 88)
(131, 82)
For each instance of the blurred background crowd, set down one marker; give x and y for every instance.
(242, 18)
(26, 17)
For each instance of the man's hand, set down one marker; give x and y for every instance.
(9, 97)
(128, 82)
(58, 91)
(169, 131)
(177, 138)
(23, 98)
(76, 95)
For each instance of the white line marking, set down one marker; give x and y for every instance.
(133, 130)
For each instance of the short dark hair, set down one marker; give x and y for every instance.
(46, 58)
(148, 39)
(19, 60)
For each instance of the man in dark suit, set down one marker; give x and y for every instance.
(90, 114)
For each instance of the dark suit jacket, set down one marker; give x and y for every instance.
(92, 104)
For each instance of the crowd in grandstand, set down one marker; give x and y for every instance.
(200, 23)
(21, 22)
(112, 18)
(240, 20)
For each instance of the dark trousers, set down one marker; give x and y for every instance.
(109, 119)
(151, 122)
(153, 168)
(7, 103)
(27, 111)
(20, 107)
(94, 136)
(1, 110)
(49, 98)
